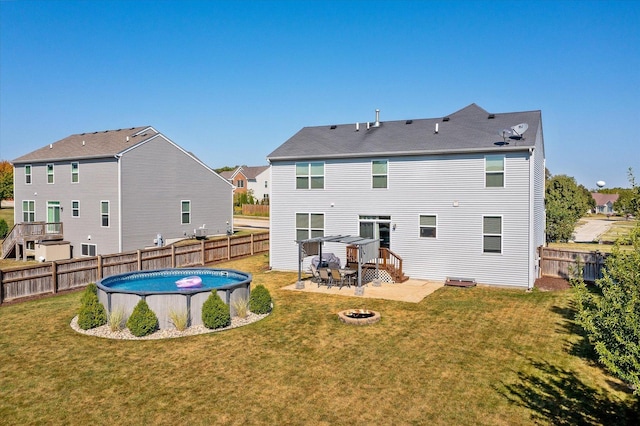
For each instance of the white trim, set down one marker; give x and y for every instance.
(72, 209)
(78, 172)
(108, 213)
(30, 174)
(420, 237)
(53, 178)
(386, 174)
(504, 170)
(118, 160)
(182, 212)
(501, 233)
(95, 249)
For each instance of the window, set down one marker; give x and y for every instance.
(75, 208)
(240, 183)
(309, 225)
(494, 171)
(379, 173)
(75, 173)
(309, 175)
(492, 234)
(186, 212)
(28, 211)
(27, 174)
(88, 249)
(265, 183)
(49, 173)
(104, 213)
(428, 226)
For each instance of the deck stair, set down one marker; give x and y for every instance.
(15, 243)
(387, 261)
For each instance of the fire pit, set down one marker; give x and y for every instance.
(359, 316)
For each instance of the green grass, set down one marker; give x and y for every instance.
(7, 214)
(461, 356)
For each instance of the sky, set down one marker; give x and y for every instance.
(230, 81)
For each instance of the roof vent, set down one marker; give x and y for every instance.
(436, 130)
(82, 143)
(357, 127)
(445, 119)
(491, 116)
(127, 138)
(50, 145)
(377, 123)
(408, 122)
(333, 126)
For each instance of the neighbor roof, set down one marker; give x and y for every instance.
(602, 199)
(90, 145)
(467, 130)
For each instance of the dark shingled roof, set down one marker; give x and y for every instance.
(101, 144)
(468, 130)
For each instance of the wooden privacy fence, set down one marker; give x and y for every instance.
(562, 263)
(52, 277)
(255, 209)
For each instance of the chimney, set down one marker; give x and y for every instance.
(377, 123)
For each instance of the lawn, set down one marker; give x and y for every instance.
(461, 356)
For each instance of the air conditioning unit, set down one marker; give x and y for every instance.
(201, 233)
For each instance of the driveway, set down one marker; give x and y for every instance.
(590, 230)
(251, 222)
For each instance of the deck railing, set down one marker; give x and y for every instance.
(30, 231)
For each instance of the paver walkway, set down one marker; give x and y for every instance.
(409, 291)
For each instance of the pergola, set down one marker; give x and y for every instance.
(368, 249)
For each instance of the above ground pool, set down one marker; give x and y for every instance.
(178, 290)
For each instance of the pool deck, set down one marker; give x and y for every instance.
(412, 290)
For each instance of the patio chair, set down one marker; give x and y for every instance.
(315, 275)
(336, 278)
(324, 277)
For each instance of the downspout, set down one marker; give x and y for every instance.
(533, 257)
(118, 157)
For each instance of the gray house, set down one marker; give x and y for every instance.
(118, 190)
(457, 196)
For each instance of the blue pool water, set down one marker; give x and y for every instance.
(164, 281)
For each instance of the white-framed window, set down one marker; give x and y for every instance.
(104, 214)
(27, 174)
(75, 208)
(88, 249)
(379, 175)
(492, 234)
(494, 171)
(185, 210)
(309, 225)
(428, 226)
(50, 173)
(75, 172)
(28, 211)
(240, 183)
(309, 175)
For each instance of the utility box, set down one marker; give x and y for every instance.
(201, 233)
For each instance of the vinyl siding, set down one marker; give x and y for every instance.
(97, 182)
(156, 177)
(416, 185)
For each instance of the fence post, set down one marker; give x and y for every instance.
(251, 244)
(139, 260)
(228, 248)
(1, 289)
(173, 256)
(99, 259)
(54, 277)
(202, 252)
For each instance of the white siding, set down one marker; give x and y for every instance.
(416, 185)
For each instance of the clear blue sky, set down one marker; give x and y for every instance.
(232, 80)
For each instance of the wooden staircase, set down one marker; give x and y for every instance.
(15, 242)
(387, 261)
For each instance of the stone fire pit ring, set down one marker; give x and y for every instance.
(359, 316)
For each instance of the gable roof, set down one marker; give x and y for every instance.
(602, 199)
(249, 172)
(101, 144)
(471, 129)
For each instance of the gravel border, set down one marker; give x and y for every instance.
(168, 333)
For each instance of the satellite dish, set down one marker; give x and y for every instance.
(518, 130)
(601, 183)
(505, 133)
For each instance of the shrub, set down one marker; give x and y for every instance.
(241, 306)
(116, 319)
(4, 228)
(92, 314)
(260, 300)
(143, 320)
(180, 319)
(215, 313)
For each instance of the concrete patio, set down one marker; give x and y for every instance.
(412, 290)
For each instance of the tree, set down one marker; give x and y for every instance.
(611, 317)
(6, 180)
(566, 202)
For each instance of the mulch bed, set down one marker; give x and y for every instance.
(552, 284)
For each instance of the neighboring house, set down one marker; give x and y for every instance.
(251, 178)
(452, 196)
(604, 202)
(117, 190)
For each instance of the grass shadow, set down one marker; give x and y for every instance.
(559, 397)
(581, 348)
